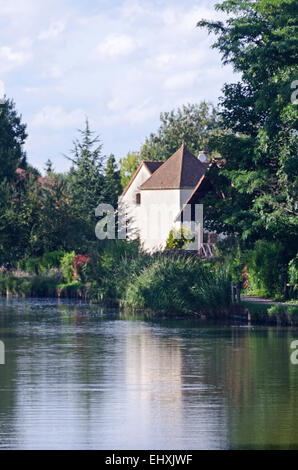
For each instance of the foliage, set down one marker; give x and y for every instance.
(193, 124)
(258, 140)
(293, 270)
(179, 285)
(266, 267)
(112, 183)
(80, 266)
(12, 138)
(30, 286)
(284, 313)
(67, 266)
(179, 238)
(128, 167)
(31, 265)
(228, 255)
(51, 260)
(85, 182)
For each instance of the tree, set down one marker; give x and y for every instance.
(112, 183)
(49, 167)
(12, 138)
(258, 141)
(128, 166)
(86, 176)
(193, 124)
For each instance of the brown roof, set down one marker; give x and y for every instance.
(151, 167)
(181, 170)
(202, 188)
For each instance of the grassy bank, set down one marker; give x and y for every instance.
(121, 275)
(125, 277)
(266, 314)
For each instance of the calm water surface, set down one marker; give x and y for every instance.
(77, 377)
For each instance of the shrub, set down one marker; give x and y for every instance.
(80, 266)
(179, 285)
(30, 265)
(267, 269)
(67, 267)
(51, 260)
(293, 270)
(179, 238)
(284, 313)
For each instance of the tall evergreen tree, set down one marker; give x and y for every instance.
(86, 176)
(12, 138)
(112, 183)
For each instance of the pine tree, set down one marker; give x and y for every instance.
(86, 176)
(12, 138)
(112, 183)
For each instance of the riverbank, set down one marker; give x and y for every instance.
(260, 311)
(253, 310)
(161, 283)
(122, 276)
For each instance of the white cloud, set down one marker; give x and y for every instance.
(116, 45)
(10, 58)
(181, 80)
(55, 117)
(53, 31)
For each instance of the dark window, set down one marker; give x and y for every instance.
(138, 198)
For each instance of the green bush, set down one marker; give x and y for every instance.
(293, 270)
(179, 285)
(267, 268)
(284, 313)
(51, 260)
(31, 265)
(74, 289)
(179, 238)
(33, 286)
(66, 265)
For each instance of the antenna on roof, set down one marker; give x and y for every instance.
(203, 156)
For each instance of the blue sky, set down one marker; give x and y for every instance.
(119, 62)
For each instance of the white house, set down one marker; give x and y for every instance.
(162, 196)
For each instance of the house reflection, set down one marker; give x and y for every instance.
(153, 376)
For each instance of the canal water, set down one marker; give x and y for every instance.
(79, 377)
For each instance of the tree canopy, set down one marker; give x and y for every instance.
(258, 138)
(12, 138)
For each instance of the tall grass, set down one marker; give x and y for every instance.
(180, 285)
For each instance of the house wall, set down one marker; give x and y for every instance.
(127, 203)
(158, 211)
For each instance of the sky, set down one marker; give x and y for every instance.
(118, 62)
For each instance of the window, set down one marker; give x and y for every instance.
(138, 198)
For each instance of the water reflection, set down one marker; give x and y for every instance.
(79, 377)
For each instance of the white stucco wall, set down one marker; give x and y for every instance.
(158, 211)
(128, 203)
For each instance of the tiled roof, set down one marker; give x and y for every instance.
(181, 170)
(153, 166)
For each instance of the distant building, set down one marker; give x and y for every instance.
(162, 195)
